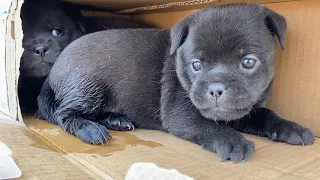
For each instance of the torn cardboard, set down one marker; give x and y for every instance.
(4, 11)
(13, 50)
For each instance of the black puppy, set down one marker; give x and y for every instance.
(48, 27)
(207, 77)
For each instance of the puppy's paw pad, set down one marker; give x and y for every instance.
(92, 133)
(295, 134)
(118, 123)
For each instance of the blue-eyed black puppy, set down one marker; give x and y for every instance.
(203, 81)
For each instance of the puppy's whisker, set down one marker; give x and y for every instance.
(105, 27)
(156, 82)
(186, 103)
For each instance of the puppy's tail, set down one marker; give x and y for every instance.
(47, 105)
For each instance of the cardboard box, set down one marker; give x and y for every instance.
(43, 151)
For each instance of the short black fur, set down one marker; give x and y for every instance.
(149, 77)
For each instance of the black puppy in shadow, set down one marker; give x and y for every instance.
(48, 27)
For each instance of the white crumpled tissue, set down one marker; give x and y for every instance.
(8, 168)
(149, 171)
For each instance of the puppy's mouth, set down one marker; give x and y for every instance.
(41, 69)
(42, 65)
(46, 63)
(218, 113)
(219, 108)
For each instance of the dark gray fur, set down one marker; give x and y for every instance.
(145, 77)
(39, 18)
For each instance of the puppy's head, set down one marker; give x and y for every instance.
(48, 27)
(225, 57)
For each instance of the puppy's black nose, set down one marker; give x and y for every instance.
(217, 89)
(41, 50)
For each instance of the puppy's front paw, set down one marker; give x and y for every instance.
(292, 133)
(235, 148)
(92, 133)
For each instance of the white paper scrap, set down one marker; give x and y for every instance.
(149, 171)
(8, 168)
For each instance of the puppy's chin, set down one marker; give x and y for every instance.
(41, 70)
(224, 114)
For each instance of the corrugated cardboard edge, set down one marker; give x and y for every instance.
(19, 50)
(4, 107)
(13, 54)
(169, 5)
(10, 62)
(188, 5)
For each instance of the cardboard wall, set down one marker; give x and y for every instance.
(151, 6)
(4, 7)
(10, 59)
(296, 93)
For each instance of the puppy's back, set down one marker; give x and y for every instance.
(112, 55)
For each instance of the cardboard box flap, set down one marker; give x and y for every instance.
(10, 60)
(4, 11)
(148, 6)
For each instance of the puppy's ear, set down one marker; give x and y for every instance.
(75, 14)
(179, 33)
(82, 26)
(276, 24)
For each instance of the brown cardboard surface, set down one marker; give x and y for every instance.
(10, 62)
(143, 6)
(296, 91)
(37, 158)
(12, 34)
(44, 151)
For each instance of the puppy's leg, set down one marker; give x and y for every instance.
(183, 120)
(47, 104)
(88, 131)
(82, 100)
(264, 122)
(69, 116)
(222, 139)
(117, 122)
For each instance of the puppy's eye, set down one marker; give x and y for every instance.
(249, 62)
(196, 65)
(57, 32)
